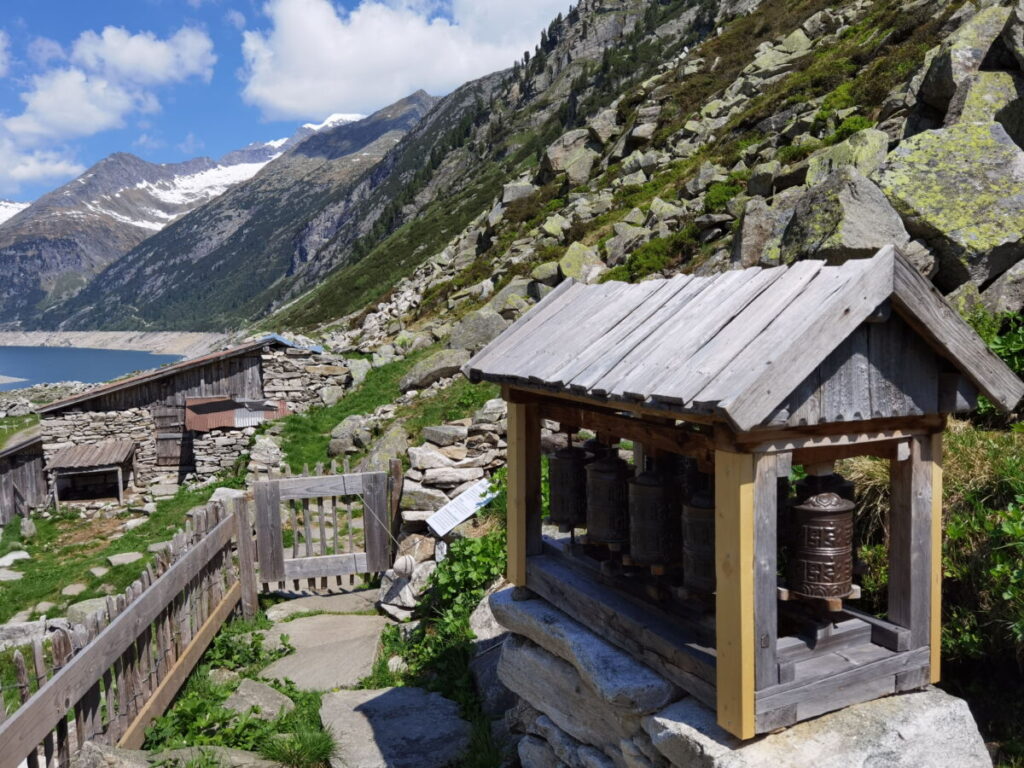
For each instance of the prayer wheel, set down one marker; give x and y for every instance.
(568, 481)
(828, 482)
(608, 500)
(655, 525)
(821, 549)
(699, 540)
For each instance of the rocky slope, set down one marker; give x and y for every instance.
(233, 252)
(53, 247)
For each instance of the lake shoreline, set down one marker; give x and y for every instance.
(10, 379)
(183, 344)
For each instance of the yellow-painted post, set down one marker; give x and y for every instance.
(524, 505)
(734, 568)
(935, 632)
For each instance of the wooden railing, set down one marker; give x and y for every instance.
(108, 680)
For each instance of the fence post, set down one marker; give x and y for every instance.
(397, 480)
(246, 561)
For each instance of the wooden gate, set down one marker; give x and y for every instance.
(173, 443)
(330, 526)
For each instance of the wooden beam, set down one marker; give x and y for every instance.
(827, 435)
(734, 569)
(935, 633)
(178, 674)
(910, 542)
(766, 567)
(326, 565)
(246, 559)
(524, 502)
(526, 393)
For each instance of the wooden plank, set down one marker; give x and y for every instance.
(910, 537)
(246, 559)
(298, 488)
(845, 380)
(524, 502)
(804, 342)
(29, 725)
(161, 699)
(734, 571)
(328, 565)
(707, 363)
(913, 679)
(928, 313)
(376, 522)
(766, 567)
(956, 393)
(935, 618)
(268, 530)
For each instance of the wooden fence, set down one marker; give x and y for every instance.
(107, 681)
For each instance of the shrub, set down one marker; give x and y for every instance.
(794, 153)
(718, 196)
(851, 125)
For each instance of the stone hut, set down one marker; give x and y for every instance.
(189, 419)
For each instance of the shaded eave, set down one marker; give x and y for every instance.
(742, 352)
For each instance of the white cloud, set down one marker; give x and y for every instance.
(191, 145)
(315, 60)
(235, 18)
(5, 53)
(43, 50)
(19, 166)
(148, 141)
(143, 58)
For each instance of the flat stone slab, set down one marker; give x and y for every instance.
(346, 602)
(125, 558)
(265, 702)
(12, 557)
(99, 571)
(225, 757)
(394, 728)
(6, 574)
(915, 730)
(78, 613)
(617, 678)
(73, 590)
(330, 651)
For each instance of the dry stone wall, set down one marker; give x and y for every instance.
(303, 378)
(219, 449)
(71, 428)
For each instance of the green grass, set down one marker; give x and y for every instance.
(10, 426)
(57, 562)
(459, 400)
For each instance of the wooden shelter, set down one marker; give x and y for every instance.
(22, 481)
(92, 471)
(738, 378)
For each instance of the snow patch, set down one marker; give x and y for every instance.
(198, 188)
(334, 121)
(276, 143)
(9, 209)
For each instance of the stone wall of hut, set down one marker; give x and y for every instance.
(70, 428)
(219, 449)
(303, 378)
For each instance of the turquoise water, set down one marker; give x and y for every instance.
(39, 365)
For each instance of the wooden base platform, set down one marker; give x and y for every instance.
(857, 659)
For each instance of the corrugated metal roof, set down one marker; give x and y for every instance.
(203, 414)
(169, 370)
(109, 453)
(735, 344)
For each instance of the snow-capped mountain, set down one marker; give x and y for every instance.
(10, 209)
(50, 249)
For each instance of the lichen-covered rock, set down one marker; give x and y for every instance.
(475, 330)
(604, 126)
(865, 150)
(581, 263)
(961, 189)
(762, 179)
(961, 55)
(516, 190)
(440, 365)
(984, 97)
(844, 217)
(391, 445)
(915, 730)
(1007, 293)
(762, 226)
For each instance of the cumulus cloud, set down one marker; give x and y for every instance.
(235, 18)
(315, 59)
(106, 77)
(5, 53)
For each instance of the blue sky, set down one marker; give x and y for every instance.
(173, 79)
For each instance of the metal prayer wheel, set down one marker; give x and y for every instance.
(608, 500)
(699, 542)
(831, 482)
(568, 481)
(655, 526)
(821, 550)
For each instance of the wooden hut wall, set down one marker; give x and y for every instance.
(237, 377)
(22, 483)
(882, 370)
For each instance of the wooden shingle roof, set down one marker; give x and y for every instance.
(735, 344)
(109, 453)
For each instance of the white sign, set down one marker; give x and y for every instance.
(460, 509)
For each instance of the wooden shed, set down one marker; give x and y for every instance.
(705, 559)
(22, 481)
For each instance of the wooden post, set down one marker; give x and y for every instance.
(910, 542)
(524, 504)
(734, 569)
(766, 568)
(246, 561)
(120, 486)
(935, 634)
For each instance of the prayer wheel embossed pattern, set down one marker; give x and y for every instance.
(655, 525)
(608, 501)
(699, 543)
(821, 555)
(568, 479)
